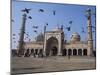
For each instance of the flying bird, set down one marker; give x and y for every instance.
(41, 10)
(30, 17)
(26, 10)
(54, 12)
(14, 41)
(68, 28)
(12, 20)
(70, 22)
(35, 27)
(13, 38)
(35, 31)
(93, 31)
(27, 34)
(13, 34)
(46, 24)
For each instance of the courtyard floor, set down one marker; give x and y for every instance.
(21, 65)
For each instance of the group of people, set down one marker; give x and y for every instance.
(33, 53)
(28, 53)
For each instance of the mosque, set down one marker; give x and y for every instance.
(53, 43)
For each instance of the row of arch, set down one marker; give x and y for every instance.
(79, 52)
(39, 52)
(33, 52)
(65, 52)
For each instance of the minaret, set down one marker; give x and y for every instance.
(89, 35)
(62, 39)
(21, 38)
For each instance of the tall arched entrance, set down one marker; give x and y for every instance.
(69, 52)
(80, 52)
(74, 51)
(64, 52)
(54, 51)
(84, 51)
(52, 47)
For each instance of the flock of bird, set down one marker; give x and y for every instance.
(35, 27)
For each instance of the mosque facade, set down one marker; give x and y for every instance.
(54, 44)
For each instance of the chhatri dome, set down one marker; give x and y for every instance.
(75, 37)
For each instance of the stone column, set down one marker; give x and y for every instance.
(66, 52)
(77, 51)
(44, 47)
(59, 45)
(72, 52)
(82, 52)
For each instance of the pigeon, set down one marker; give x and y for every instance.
(30, 17)
(26, 10)
(35, 31)
(70, 22)
(13, 34)
(68, 28)
(35, 27)
(46, 24)
(12, 20)
(54, 12)
(41, 10)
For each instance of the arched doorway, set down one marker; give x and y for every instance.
(80, 52)
(32, 51)
(69, 51)
(54, 51)
(27, 53)
(52, 46)
(36, 51)
(85, 52)
(74, 51)
(40, 53)
(64, 52)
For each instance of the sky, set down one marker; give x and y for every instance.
(64, 14)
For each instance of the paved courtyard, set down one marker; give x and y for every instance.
(21, 65)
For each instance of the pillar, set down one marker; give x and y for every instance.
(66, 52)
(82, 52)
(72, 52)
(77, 51)
(59, 38)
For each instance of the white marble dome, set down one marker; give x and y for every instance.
(75, 37)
